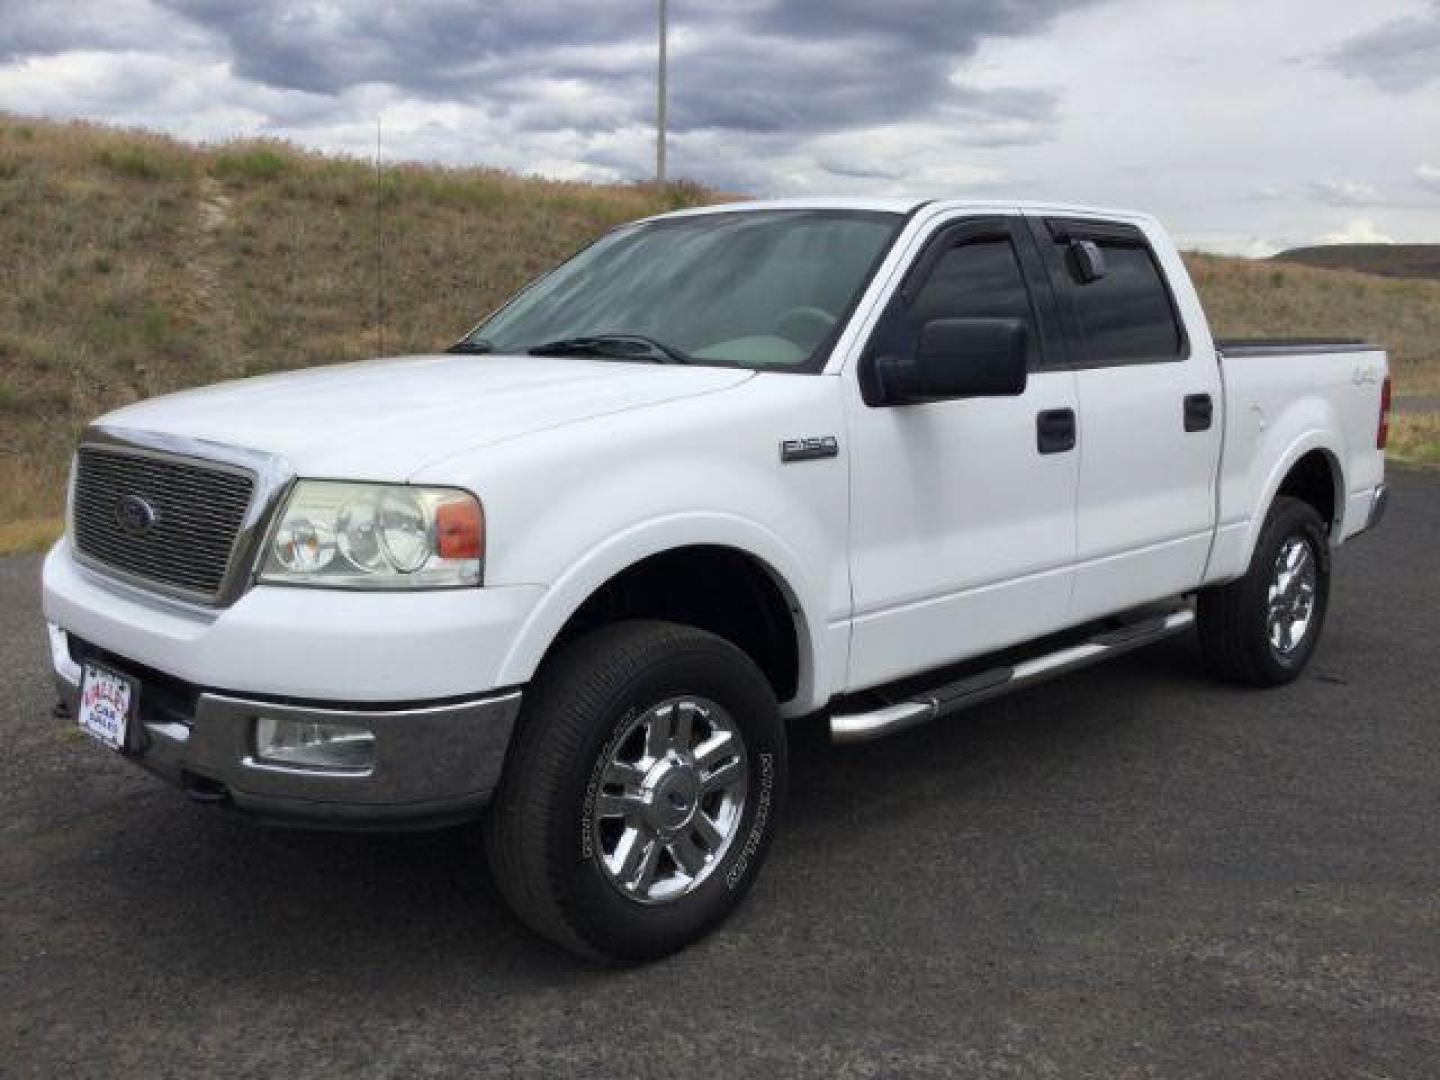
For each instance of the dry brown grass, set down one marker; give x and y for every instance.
(1259, 299)
(1415, 438)
(20, 537)
(137, 265)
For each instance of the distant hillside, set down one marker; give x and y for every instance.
(1386, 260)
(135, 264)
(1259, 298)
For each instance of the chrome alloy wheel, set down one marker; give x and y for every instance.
(670, 799)
(1291, 602)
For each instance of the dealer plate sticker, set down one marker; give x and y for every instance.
(105, 700)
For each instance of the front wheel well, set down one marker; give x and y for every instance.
(721, 590)
(1315, 479)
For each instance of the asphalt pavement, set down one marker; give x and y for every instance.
(1427, 403)
(1131, 872)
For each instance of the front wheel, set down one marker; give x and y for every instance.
(641, 791)
(1262, 629)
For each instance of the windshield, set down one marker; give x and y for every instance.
(756, 289)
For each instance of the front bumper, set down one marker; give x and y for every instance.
(310, 644)
(433, 763)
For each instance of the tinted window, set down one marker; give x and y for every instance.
(979, 279)
(1127, 316)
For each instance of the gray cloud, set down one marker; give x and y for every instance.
(1344, 193)
(33, 27)
(772, 73)
(781, 65)
(432, 47)
(1399, 56)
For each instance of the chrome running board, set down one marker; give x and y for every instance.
(962, 694)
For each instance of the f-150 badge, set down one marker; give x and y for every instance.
(816, 446)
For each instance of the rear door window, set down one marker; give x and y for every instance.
(1127, 316)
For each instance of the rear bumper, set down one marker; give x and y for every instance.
(433, 763)
(1378, 507)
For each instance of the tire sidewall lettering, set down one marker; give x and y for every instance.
(736, 874)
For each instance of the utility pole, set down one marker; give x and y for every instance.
(379, 242)
(660, 98)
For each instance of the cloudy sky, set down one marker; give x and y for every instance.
(1249, 125)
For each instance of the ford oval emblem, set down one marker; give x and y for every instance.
(134, 515)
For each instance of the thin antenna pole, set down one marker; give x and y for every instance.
(661, 105)
(379, 248)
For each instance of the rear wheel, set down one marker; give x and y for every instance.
(641, 791)
(1262, 629)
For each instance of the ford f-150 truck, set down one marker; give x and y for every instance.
(861, 462)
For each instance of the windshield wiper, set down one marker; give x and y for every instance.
(472, 347)
(614, 346)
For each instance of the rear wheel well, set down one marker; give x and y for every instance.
(1313, 479)
(726, 592)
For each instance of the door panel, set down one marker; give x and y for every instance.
(1146, 498)
(1146, 502)
(962, 530)
(963, 533)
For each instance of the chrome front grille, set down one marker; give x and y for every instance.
(170, 522)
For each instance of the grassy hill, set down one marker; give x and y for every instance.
(136, 264)
(1386, 260)
(1249, 298)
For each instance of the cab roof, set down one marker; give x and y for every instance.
(905, 206)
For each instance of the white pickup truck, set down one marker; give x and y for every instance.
(871, 461)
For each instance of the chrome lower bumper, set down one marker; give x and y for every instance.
(1378, 507)
(433, 763)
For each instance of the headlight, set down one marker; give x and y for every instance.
(341, 535)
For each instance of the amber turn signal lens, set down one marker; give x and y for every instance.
(460, 529)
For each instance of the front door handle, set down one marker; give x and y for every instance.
(1055, 431)
(1199, 412)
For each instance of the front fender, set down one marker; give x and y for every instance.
(572, 508)
(625, 549)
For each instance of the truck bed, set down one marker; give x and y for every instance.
(1274, 413)
(1290, 346)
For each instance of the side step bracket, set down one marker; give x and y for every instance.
(957, 696)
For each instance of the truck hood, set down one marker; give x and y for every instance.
(386, 419)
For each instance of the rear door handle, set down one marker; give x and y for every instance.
(1055, 431)
(1199, 412)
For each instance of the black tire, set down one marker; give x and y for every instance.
(1234, 618)
(539, 830)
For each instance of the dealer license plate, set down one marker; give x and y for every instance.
(106, 704)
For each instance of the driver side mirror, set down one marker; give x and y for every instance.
(959, 358)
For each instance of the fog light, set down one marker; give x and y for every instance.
(309, 744)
